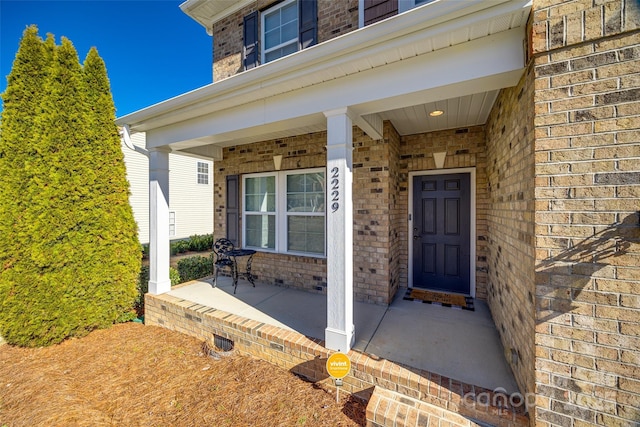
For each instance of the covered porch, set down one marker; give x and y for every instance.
(356, 110)
(411, 349)
(361, 96)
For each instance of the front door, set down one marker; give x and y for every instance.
(441, 232)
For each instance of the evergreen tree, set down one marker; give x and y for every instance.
(71, 264)
(21, 103)
(119, 240)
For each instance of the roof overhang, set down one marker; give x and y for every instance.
(444, 50)
(207, 12)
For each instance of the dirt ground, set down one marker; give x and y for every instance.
(136, 375)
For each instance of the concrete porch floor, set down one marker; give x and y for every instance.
(460, 344)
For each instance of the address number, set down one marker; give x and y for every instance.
(335, 186)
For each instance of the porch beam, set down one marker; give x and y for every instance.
(371, 124)
(340, 331)
(484, 64)
(159, 252)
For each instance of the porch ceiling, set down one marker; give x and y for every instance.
(448, 55)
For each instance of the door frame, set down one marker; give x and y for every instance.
(472, 218)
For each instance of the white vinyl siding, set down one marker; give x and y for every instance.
(191, 203)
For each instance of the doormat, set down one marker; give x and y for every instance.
(441, 298)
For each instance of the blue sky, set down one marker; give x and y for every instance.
(152, 50)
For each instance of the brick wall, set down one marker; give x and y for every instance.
(306, 151)
(465, 148)
(371, 217)
(511, 228)
(397, 216)
(380, 199)
(374, 280)
(304, 356)
(334, 19)
(587, 234)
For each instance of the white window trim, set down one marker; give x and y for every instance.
(175, 230)
(281, 212)
(263, 50)
(403, 6)
(198, 173)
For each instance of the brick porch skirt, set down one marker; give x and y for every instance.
(395, 392)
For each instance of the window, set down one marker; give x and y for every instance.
(404, 5)
(371, 11)
(280, 31)
(203, 173)
(285, 211)
(172, 223)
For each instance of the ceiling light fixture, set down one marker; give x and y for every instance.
(436, 113)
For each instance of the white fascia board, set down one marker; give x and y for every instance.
(208, 12)
(440, 17)
(489, 63)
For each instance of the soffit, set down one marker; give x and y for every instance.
(207, 12)
(401, 38)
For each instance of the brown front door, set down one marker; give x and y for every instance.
(441, 232)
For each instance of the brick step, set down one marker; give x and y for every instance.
(388, 408)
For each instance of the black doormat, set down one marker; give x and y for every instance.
(440, 298)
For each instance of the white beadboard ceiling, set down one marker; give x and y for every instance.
(469, 110)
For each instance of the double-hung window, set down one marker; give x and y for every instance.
(283, 29)
(203, 173)
(280, 31)
(285, 212)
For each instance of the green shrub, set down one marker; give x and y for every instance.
(201, 243)
(195, 267)
(179, 247)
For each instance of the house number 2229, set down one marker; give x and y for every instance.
(335, 185)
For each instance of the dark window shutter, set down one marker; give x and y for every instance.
(308, 23)
(233, 209)
(377, 10)
(250, 51)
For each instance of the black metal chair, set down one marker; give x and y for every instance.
(222, 260)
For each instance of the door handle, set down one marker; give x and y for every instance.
(416, 237)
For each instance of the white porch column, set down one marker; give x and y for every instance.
(339, 334)
(159, 252)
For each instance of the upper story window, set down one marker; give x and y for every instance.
(281, 30)
(404, 5)
(372, 11)
(203, 173)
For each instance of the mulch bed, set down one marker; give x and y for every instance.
(136, 375)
